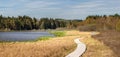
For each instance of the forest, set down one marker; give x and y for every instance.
(28, 23)
(91, 23)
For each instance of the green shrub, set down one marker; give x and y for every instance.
(58, 33)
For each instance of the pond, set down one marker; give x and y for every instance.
(22, 36)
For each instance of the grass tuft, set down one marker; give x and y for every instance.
(59, 33)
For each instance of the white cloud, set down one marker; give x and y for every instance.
(88, 4)
(39, 4)
(61, 9)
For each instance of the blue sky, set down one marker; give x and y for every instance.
(69, 9)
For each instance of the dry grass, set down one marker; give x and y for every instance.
(96, 48)
(110, 39)
(56, 47)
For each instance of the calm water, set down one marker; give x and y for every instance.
(21, 36)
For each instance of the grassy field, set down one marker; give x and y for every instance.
(56, 47)
(110, 39)
(96, 48)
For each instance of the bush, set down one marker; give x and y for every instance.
(58, 33)
(90, 27)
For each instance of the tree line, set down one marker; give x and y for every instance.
(91, 23)
(28, 23)
(103, 22)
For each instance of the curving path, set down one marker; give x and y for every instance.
(81, 47)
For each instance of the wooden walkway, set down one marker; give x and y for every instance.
(81, 47)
